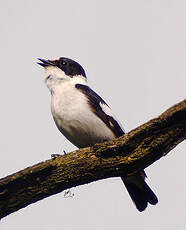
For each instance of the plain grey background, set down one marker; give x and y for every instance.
(134, 53)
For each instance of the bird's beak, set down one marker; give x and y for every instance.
(44, 62)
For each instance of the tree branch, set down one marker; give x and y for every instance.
(134, 151)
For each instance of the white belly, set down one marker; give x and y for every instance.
(76, 121)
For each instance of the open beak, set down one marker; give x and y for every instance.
(44, 62)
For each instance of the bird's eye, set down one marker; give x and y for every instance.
(63, 62)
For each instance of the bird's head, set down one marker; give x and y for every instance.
(60, 70)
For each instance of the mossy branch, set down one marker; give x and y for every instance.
(134, 151)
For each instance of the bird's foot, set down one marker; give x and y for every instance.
(54, 155)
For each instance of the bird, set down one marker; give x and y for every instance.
(85, 119)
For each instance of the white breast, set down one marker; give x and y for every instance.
(74, 118)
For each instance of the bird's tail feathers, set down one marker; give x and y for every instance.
(139, 191)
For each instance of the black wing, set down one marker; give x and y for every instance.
(139, 191)
(94, 101)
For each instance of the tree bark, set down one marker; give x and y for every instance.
(132, 152)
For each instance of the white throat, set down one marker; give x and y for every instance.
(55, 78)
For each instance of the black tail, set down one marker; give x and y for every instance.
(139, 191)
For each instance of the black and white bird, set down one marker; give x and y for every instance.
(84, 118)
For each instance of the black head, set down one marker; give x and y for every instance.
(70, 67)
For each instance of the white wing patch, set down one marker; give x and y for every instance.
(106, 109)
(109, 112)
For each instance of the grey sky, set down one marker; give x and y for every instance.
(134, 53)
